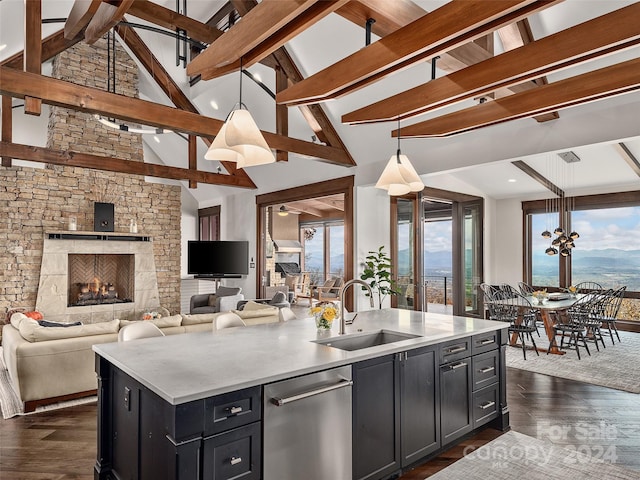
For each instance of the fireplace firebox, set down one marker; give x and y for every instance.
(96, 279)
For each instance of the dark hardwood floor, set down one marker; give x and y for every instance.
(61, 444)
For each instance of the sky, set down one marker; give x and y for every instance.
(602, 228)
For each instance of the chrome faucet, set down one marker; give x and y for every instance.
(344, 288)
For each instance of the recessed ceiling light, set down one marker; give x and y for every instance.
(3, 46)
(156, 138)
(213, 104)
(512, 180)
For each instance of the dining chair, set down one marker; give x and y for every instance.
(596, 313)
(227, 320)
(514, 308)
(141, 329)
(525, 289)
(610, 311)
(574, 325)
(587, 287)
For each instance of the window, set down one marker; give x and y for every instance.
(323, 250)
(209, 223)
(607, 251)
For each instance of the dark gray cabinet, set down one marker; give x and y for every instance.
(143, 437)
(376, 409)
(419, 404)
(396, 414)
(455, 399)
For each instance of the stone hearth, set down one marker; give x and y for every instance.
(52, 298)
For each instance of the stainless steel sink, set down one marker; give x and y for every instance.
(358, 341)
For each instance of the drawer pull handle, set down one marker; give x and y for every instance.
(458, 365)
(456, 349)
(487, 341)
(487, 405)
(487, 369)
(234, 410)
(235, 460)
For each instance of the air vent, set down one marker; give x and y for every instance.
(569, 157)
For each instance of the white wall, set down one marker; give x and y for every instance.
(372, 230)
(506, 245)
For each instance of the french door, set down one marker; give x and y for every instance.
(436, 251)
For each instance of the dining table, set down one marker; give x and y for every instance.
(554, 304)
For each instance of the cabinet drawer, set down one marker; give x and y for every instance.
(233, 455)
(485, 342)
(485, 405)
(455, 350)
(231, 410)
(486, 369)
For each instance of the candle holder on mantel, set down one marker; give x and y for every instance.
(73, 223)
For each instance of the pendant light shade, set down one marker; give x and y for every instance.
(240, 140)
(399, 177)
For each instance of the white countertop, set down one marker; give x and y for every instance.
(191, 366)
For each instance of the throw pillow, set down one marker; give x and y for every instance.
(17, 318)
(32, 331)
(212, 300)
(279, 297)
(47, 323)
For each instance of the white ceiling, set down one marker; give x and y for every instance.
(480, 159)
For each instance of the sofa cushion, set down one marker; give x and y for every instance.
(32, 331)
(251, 306)
(279, 297)
(162, 322)
(195, 319)
(212, 300)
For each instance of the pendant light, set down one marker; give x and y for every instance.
(399, 177)
(239, 139)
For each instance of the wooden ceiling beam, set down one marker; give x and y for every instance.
(628, 157)
(164, 17)
(96, 162)
(105, 18)
(450, 26)
(314, 115)
(515, 36)
(81, 14)
(166, 83)
(92, 100)
(601, 36)
(282, 113)
(33, 49)
(263, 30)
(6, 134)
(388, 16)
(391, 16)
(538, 177)
(51, 46)
(595, 85)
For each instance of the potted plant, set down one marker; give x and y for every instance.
(377, 273)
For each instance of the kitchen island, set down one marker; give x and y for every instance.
(200, 405)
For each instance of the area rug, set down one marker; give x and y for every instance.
(11, 405)
(514, 455)
(613, 367)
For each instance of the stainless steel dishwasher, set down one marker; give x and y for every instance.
(307, 427)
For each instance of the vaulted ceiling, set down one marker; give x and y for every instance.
(473, 81)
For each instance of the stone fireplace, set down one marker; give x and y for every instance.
(96, 276)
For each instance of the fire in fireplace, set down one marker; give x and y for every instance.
(100, 278)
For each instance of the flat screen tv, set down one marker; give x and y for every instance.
(218, 258)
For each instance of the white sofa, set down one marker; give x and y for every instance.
(50, 364)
